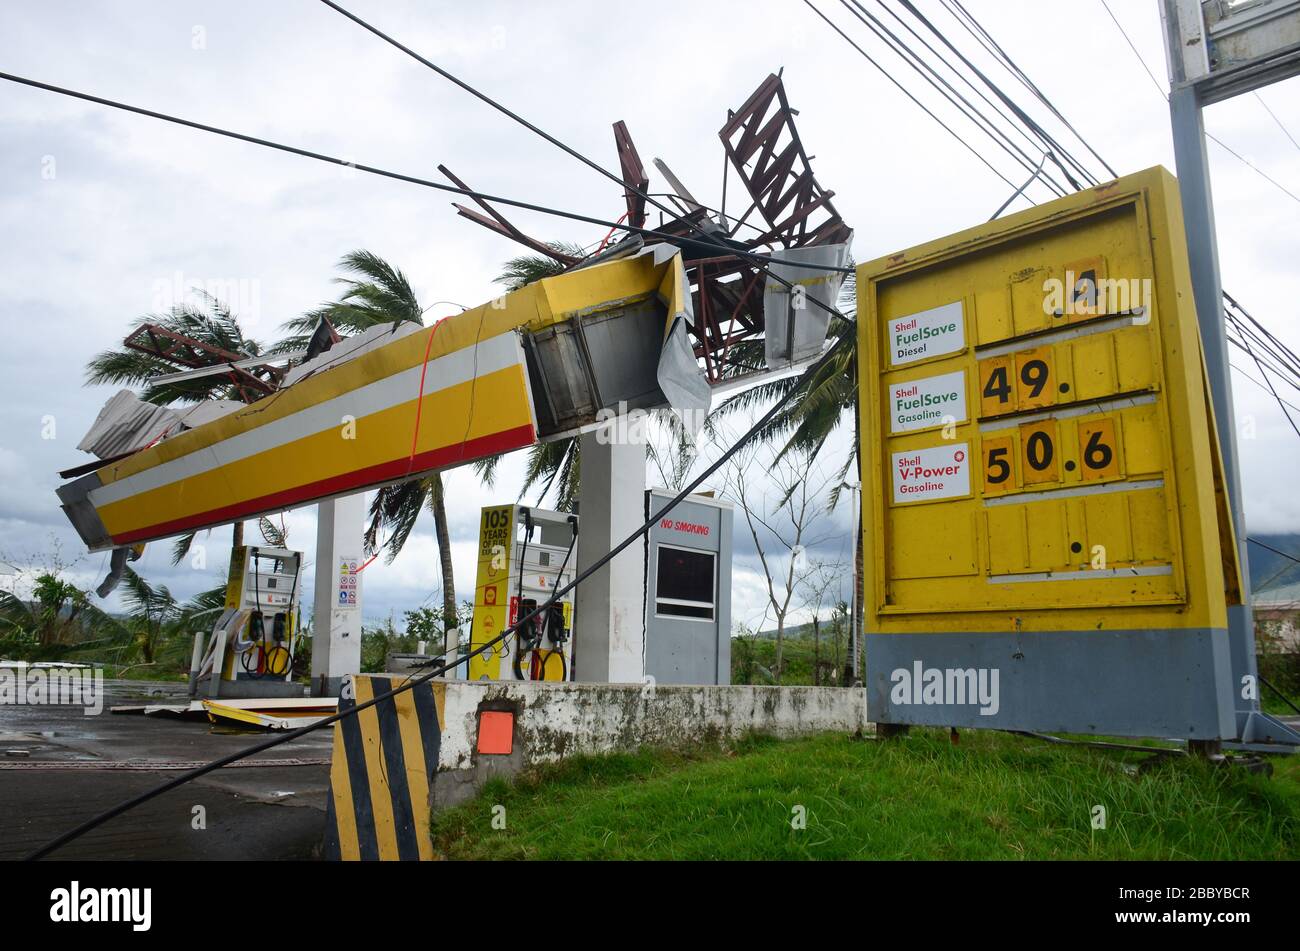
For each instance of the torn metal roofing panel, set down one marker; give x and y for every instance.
(127, 423)
(796, 328)
(207, 411)
(349, 348)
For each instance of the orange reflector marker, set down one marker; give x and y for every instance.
(496, 732)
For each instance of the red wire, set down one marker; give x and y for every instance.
(419, 400)
(611, 233)
(415, 435)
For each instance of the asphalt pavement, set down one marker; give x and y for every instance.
(60, 765)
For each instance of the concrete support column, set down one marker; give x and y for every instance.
(609, 607)
(336, 621)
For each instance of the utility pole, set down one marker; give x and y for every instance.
(1216, 50)
(855, 620)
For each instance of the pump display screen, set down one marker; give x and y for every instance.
(685, 581)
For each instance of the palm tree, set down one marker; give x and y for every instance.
(154, 615)
(818, 407)
(209, 321)
(379, 293)
(58, 614)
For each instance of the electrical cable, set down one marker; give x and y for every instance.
(1050, 143)
(1015, 194)
(1256, 334)
(1262, 386)
(997, 110)
(1294, 358)
(1217, 141)
(758, 260)
(1271, 389)
(1285, 699)
(1124, 33)
(1285, 130)
(288, 736)
(1285, 376)
(1278, 360)
(1007, 63)
(904, 90)
(706, 238)
(1256, 541)
(989, 128)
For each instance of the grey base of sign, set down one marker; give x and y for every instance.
(1162, 683)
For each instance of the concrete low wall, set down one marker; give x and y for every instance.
(557, 720)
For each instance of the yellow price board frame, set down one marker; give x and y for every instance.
(1076, 490)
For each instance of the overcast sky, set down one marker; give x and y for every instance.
(105, 216)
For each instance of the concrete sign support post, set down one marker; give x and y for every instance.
(336, 621)
(1211, 60)
(609, 623)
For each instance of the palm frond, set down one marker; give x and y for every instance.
(393, 513)
(181, 547)
(527, 268)
(272, 534)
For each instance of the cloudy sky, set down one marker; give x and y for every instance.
(106, 216)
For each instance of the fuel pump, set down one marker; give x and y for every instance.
(525, 556)
(253, 641)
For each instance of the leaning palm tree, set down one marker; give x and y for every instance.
(57, 615)
(819, 404)
(375, 292)
(207, 320)
(818, 407)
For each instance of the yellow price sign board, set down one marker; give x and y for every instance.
(1036, 435)
(491, 594)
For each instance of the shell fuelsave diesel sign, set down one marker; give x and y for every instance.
(1039, 449)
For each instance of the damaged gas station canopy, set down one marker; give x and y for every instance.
(542, 362)
(649, 321)
(787, 214)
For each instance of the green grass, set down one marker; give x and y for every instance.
(753, 658)
(993, 796)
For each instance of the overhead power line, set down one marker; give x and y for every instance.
(960, 74)
(706, 238)
(1217, 141)
(906, 92)
(1256, 541)
(1285, 130)
(985, 39)
(961, 103)
(1259, 384)
(1049, 142)
(757, 259)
